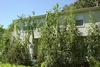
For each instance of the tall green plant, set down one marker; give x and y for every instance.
(59, 45)
(93, 40)
(49, 41)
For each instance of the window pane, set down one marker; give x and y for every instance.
(79, 22)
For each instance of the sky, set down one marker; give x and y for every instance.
(10, 9)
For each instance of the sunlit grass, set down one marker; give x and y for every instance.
(12, 65)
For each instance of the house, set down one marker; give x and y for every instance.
(82, 17)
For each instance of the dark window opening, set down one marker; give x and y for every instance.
(79, 22)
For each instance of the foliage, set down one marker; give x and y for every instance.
(65, 46)
(94, 41)
(78, 4)
(14, 50)
(1, 33)
(86, 3)
(60, 45)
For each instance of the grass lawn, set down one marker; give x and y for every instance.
(9, 65)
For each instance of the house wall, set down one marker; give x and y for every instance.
(85, 16)
(78, 16)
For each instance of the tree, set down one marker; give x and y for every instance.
(1, 32)
(14, 49)
(60, 46)
(93, 41)
(48, 48)
(86, 3)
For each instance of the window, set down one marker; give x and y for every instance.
(79, 22)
